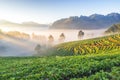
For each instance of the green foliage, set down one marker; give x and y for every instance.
(58, 68)
(113, 74)
(95, 59)
(91, 46)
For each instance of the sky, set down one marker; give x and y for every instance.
(48, 11)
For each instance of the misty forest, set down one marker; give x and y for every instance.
(59, 40)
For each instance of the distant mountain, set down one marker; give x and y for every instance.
(24, 24)
(34, 24)
(8, 23)
(113, 29)
(94, 21)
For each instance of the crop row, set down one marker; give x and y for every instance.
(56, 68)
(114, 74)
(89, 46)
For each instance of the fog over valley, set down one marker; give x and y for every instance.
(12, 44)
(30, 38)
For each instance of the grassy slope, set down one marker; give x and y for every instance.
(90, 46)
(103, 64)
(55, 68)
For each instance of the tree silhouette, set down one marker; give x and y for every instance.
(80, 34)
(62, 37)
(37, 48)
(51, 39)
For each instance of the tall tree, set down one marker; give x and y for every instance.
(62, 37)
(51, 39)
(38, 48)
(80, 34)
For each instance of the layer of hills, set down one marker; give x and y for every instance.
(24, 24)
(94, 21)
(113, 29)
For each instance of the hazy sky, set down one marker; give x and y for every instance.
(47, 11)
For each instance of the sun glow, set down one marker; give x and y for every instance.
(6, 29)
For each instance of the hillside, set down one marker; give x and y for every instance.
(93, 59)
(91, 46)
(89, 67)
(94, 21)
(113, 29)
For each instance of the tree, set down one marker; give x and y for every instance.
(38, 48)
(51, 39)
(62, 37)
(80, 34)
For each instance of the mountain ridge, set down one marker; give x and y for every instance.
(94, 21)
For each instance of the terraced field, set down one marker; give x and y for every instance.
(91, 46)
(95, 59)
